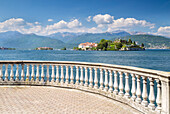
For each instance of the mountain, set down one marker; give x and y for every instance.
(13, 39)
(27, 41)
(150, 41)
(96, 37)
(137, 33)
(65, 36)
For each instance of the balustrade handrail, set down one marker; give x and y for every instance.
(119, 82)
(99, 65)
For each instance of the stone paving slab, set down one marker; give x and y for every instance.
(46, 100)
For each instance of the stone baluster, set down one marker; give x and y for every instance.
(17, 72)
(1, 73)
(32, 73)
(81, 78)
(115, 83)
(111, 82)
(86, 78)
(144, 94)
(165, 94)
(151, 95)
(106, 80)
(91, 78)
(77, 75)
(95, 79)
(133, 90)
(72, 76)
(37, 74)
(57, 74)
(22, 73)
(6, 72)
(47, 74)
(158, 98)
(62, 75)
(101, 79)
(67, 75)
(42, 73)
(52, 75)
(127, 89)
(138, 91)
(12, 73)
(121, 84)
(27, 74)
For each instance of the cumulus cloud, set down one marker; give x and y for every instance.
(63, 26)
(164, 31)
(103, 19)
(36, 23)
(20, 25)
(74, 23)
(59, 25)
(104, 23)
(88, 18)
(129, 23)
(50, 20)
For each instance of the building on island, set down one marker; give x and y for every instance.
(44, 48)
(132, 47)
(87, 45)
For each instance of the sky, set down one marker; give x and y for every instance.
(45, 17)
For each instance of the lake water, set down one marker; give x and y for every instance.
(151, 59)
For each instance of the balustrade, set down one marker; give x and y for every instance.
(109, 80)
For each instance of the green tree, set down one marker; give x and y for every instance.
(130, 41)
(104, 49)
(102, 40)
(142, 45)
(134, 43)
(63, 48)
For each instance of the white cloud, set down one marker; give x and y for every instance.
(20, 25)
(13, 25)
(88, 18)
(103, 19)
(74, 23)
(63, 26)
(129, 23)
(36, 23)
(104, 23)
(165, 31)
(59, 25)
(50, 20)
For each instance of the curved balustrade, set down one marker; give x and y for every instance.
(144, 89)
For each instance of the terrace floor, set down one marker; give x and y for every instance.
(33, 99)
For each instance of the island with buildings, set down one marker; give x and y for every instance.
(108, 45)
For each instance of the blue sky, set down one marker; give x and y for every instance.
(50, 16)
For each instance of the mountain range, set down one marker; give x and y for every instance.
(14, 39)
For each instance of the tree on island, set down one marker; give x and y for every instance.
(130, 41)
(142, 45)
(64, 48)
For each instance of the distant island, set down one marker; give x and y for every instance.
(4, 48)
(108, 45)
(44, 48)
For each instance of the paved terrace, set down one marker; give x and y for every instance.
(38, 99)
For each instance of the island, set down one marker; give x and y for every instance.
(44, 48)
(4, 48)
(108, 45)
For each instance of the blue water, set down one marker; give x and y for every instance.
(151, 59)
